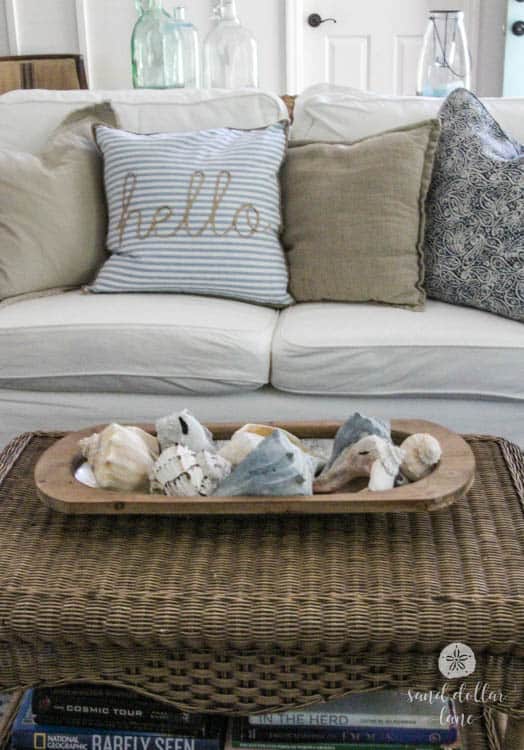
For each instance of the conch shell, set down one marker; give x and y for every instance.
(121, 457)
(183, 428)
(247, 438)
(240, 446)
(264, 430)
(354, 429)
(215, 467)
(276, 467)
(180, 472)
(423, 452)
(371, 457)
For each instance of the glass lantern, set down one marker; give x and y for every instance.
(445, 62)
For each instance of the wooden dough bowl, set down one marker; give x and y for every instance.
(451, 479)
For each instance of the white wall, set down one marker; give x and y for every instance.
(4, 44)
(103, 30)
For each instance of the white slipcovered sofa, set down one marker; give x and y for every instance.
(72, 359)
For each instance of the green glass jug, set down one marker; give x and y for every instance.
(156, 48)
(142, 6)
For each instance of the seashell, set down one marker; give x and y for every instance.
(356, 428)
(372, 457)
(423, 452)
(121, 457)
(215, 467)
(183, 428)
(240, 446)
(264, 430)
(277, 467)
(177, 473)
(246, 439)
(84, 475)
(318, 463)
(180, 472)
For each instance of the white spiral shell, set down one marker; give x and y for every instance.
(183, 428)
(180, 472)
(423, 452)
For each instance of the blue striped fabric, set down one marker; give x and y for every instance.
(195, 213)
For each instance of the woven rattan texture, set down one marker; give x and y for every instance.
(482, 734)
(237, 615)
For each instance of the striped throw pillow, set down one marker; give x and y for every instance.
(195, 213)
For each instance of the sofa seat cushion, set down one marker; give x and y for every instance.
(141, 343)
(371, 350)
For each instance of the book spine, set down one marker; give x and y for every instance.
(112, 705)
(157, 726)
(65, 739)
(340, 720)
(86, 691)
(257, 737)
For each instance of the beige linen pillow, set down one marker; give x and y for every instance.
(53, 219)
(354, 217)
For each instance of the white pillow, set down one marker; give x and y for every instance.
(335, 113)
(27, 118)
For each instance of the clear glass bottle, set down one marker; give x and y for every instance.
(230, 52)
(445, 62)
(190, 49)
(142, 6)
(156, 49)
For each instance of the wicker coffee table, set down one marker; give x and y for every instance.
(237, 615)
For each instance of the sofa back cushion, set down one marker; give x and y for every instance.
(52, 209)
(27, 118)
(337, 113)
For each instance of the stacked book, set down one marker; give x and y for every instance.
(386, 720)
(83, 717)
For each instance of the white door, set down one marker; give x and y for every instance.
(514, 58)
(370, 44)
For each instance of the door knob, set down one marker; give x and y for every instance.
(315, 20)
(518, 28)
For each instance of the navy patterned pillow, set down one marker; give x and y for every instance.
(474, 244)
